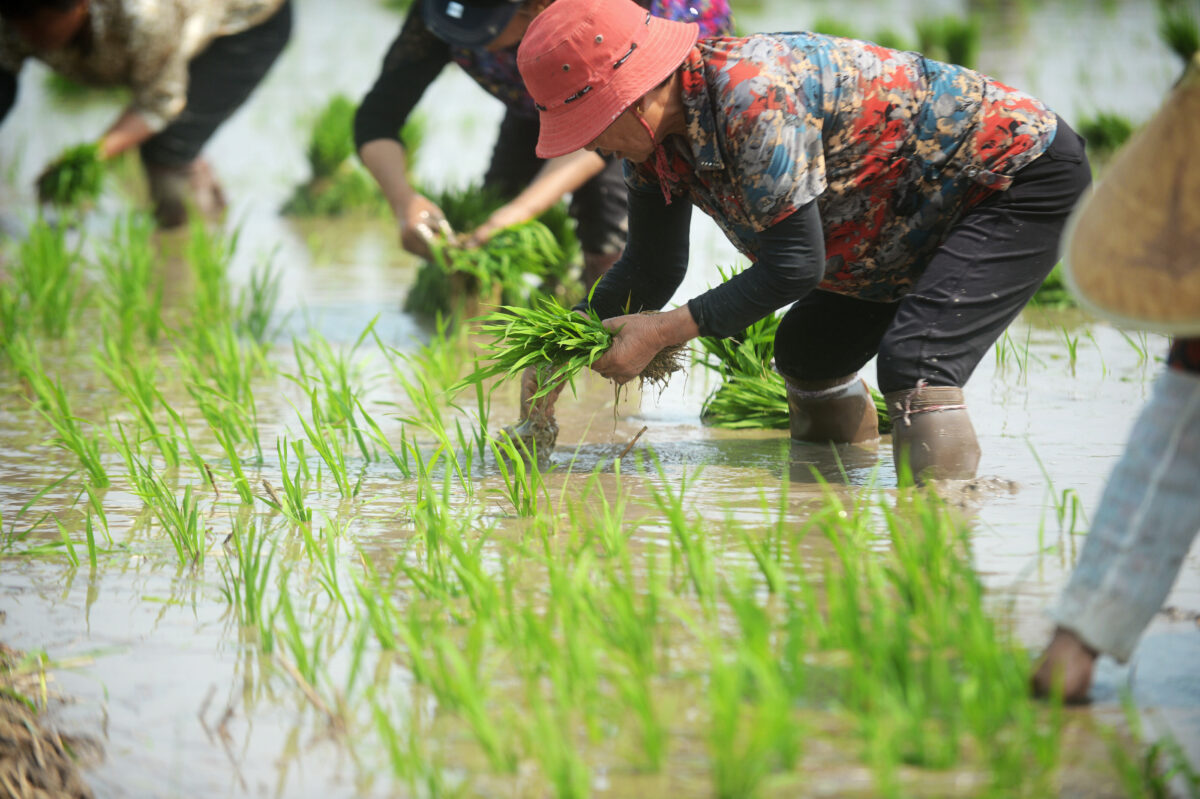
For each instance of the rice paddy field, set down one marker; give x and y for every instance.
(259, 537)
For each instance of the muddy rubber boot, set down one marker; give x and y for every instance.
(838, 411)
(595, 264)
(175, 189)
(931, 427)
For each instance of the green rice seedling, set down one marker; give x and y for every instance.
(255, 304)
(335, 377)
(951, 38)
(325, 555)
(549, 731)
(209, 255)
(13, 321)
(1105, 132)
(1072, 343)
(293, 502)
(132, 289)
(51, 400)
(245, 575)
(1139, 342)
(48, 279)
(929, 669)
(1179, 27)
(179, 517)
(219, 364)
(74, 178)
(524, 486)
(306, 654)
(221, 424)
(558, 342)
(324, 442)
(11, 536)
(397, 454)
(750, 731)
(690, 547)
(1149, 770)
(137, 381)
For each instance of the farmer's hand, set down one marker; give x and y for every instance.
(421, 222)
(506, 215)
(639, 337)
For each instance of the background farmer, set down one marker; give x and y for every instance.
(1132, 256)
(909, 208)
(189, 64)
(481, 37)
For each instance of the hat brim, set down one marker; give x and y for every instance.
(1130, 247)
(476, 27)
(573, 126)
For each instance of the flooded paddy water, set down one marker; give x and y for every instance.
(711, 612)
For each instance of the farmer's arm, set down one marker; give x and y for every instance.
(558, 176)
(791, 262)
(158, 78)
(412, 62)
(8, 92)
(654, 261)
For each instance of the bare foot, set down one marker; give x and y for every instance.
(1068, 662)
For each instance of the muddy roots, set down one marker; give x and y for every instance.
(666, 363)
(35, 761)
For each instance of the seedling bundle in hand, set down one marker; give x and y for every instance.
(74, 178)
(558, 342)
(542, 248)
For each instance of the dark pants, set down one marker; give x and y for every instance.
(220, 79)
(975, 284)
(599, 207)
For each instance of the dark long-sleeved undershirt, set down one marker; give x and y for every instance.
(413, 61)
(8, 92)
(790, 264)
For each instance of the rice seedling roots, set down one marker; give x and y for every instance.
(35, 761)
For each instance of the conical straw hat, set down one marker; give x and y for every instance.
(1132, 250)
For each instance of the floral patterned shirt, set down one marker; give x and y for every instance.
(417, 57)
(893, 146)
(142, 44)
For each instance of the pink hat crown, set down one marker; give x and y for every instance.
(585, 61)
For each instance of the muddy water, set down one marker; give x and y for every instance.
(180, 706)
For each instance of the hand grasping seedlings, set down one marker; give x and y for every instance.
(75, 177)
(557, 342)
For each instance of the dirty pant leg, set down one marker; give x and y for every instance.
(1148, 516)
(220, 79)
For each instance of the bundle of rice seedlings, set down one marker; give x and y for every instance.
(1105, 133)
(1179, 27)
(951, 38)
(753, 395)
(556, 341)
(500, 271)
(338, 183)
(74, 178)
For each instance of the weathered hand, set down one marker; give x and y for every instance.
(637, 339)
(421, 223)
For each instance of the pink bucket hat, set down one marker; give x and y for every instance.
(586, 61)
